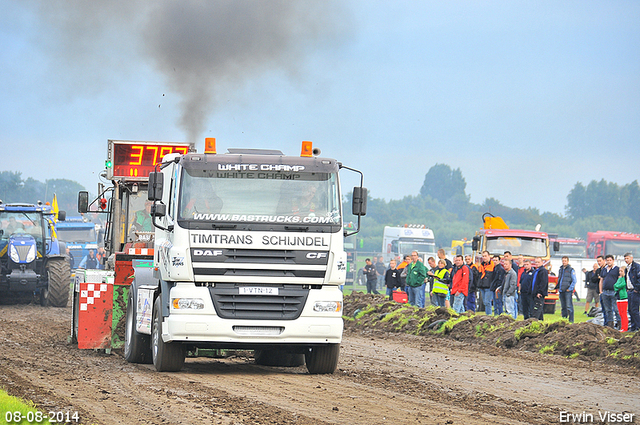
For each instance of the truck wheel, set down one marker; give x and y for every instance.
(278, 358)
(59, 281)
(323, 359)
(137, 347)
(167, 357)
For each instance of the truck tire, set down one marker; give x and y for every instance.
(323, 359)
(278, 358)
(137, 346)
(59, 281)
(167, 357)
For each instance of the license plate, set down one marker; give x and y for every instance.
(252, 290)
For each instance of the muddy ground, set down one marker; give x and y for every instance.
(385, 376)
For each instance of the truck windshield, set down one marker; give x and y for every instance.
(529, 247)
(619, 248)
(268, 198)
(576, 251)
(86, 235)
(407, 247)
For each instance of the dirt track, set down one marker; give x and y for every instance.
(381, 378)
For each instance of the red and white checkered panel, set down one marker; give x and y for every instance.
(94, 291)
(141, 251)
(95, 305)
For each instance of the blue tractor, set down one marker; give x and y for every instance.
(32, 260)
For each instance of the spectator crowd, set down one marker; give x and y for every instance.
(498, 284)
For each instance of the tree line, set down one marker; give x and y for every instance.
(444, 206)
(13, 188)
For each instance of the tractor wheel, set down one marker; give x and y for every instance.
(278, 358)
(167, 357)
(137, 347)
(59, 277)
(323, 359)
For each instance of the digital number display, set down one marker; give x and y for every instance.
(131, 160)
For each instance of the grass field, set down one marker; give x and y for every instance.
(16, 411)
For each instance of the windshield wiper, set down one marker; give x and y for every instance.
(297, 228)
(224, 226)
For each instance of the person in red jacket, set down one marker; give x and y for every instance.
(460, 284)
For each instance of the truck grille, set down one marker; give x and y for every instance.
(208, 263)
(230, 304)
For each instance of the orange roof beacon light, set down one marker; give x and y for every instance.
(307, 149)
(210, 145)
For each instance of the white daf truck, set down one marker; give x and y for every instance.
(248, 254)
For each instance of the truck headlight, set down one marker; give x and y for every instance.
(187, 303)
(327, 306)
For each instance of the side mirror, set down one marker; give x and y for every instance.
(155, 187)
(359, 201)
(62, 215)
(556, 246)
(475, 243)
(158, 210)
(83, 202)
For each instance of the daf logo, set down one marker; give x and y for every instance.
(207, 252)
(316, 255)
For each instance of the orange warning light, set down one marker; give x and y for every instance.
(210, 145)
(307, 149)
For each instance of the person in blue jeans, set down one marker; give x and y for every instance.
(608, 278)
(509, 289)
(416, 274)
(486, 270)
(566, 285)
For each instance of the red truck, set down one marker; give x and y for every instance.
(496, 237)
(605, 242)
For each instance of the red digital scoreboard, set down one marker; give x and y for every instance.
(135, 160)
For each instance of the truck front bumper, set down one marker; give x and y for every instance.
(212, 329)
(204, 325)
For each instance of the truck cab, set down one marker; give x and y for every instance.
(248, 254)
(402, 240)
(604, 242)
(79, 235)
(496, 237)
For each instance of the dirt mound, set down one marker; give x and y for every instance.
(582, 341)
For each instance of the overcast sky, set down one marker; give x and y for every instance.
(526, 98)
